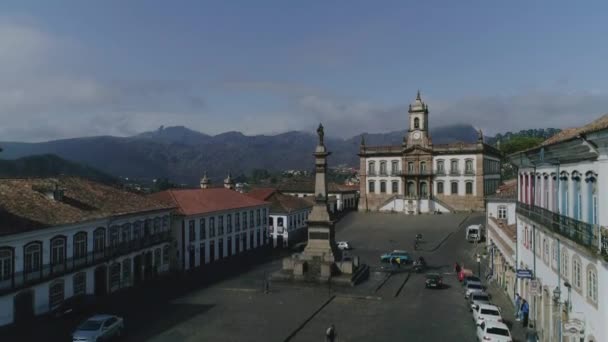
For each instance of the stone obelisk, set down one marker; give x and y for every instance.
(321, 239)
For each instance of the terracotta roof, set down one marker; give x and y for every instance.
(201, 201)
(309, 186)
(24, 205)
(506, 191)
(286, 204)
(569, 133)
(261, 193)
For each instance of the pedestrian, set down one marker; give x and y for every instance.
(330, 334)
(398, 260)
(525, 310)
(457, 268)
(517, 306)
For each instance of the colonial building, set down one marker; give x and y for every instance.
(562, 213)
(341, 197)
(214, 223)
(502, 236)
(419, 177)
(66, 237)
(288, 220)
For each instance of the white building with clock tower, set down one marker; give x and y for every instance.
(419, 177)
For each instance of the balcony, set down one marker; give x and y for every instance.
(440, 172)
(371, 173)
(469, 172)
(396, 173)
(455, 172)
(585, 234)
(25, 279)
(417, 172)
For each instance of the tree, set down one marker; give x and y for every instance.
(162, 184)
(516, 144)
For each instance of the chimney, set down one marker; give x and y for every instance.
(205, 182)
(228, 184)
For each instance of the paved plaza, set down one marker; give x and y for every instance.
(389, 306)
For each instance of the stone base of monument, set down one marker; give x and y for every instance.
(346, 272)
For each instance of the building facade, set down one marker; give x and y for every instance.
(67, 237)
(341, 197)
(288, 221)
(419, 177)
(213, 224)
(502, 236)
(562, 213)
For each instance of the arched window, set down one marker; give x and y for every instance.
(114, 236)
(578, 196)
(80, 245)
(576, 271)
(440, 187)
(422, 166)
(416, 123)
(424, 189)
(80, 283)
(33, 257)
(56, 293)
(564, 261)
(546, 251)
(58, 250)
(454, 186)
(592, 284)
(411, 189)
(564, 193)
(6, 263)
(590, 180)
(126, 232)
(99, 239)
(382, 187)
(469, 188)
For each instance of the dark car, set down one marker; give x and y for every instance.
(74, 305)
(433, 280)
(471, 279)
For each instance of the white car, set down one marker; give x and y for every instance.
(471, 288)
(99, 327)
(493, 331)
(343, 245)
(486, 313)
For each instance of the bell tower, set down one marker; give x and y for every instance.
(418, 132)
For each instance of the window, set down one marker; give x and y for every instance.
(469, 188)
(147, 227)
(411, 189)
(502, 212)
(137, 230)
(422, 166)
(454, 186)
(468, 166)
(114, 275)
(212, 227)
(220, 225)
(126, 270)
(454, 166)
(245, 220)
(395, 187)
(157, 257)
(440, 166)
(191, 231)
(564, 261)
(394, 168)
(440, 187)
(372, 187)
(156, 225)
(424, 189)
(56, 293)
(166, 254)
(99, 239)
(410, 166)
(6, 263)
(237, 222)
(382, 187)
(576, 272)
(546, 252)
(58, 250)
(126, 232)
(80, 283)
(264, 216)
(166, 222)
(258, 217)
(383, 168)
(555, 254)
(251, 219)
(592, 283)
(114, 236)
(371, 168)
(416, 123)
(80, 245)
(33, 257)
(202, 229)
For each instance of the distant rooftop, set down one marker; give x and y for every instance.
(203, 201)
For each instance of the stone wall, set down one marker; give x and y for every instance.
(463, 203)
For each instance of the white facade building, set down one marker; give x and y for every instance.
(212, 224)
(562, 215)
(341, 197)
(67, 237)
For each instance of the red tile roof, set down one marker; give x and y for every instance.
(309, 187)
(202, 201)
(506, 191)
(569, 133)
(261, 193)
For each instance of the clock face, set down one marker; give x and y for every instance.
(416, 135)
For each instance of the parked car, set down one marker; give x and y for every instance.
(433, 280)
(474, 233)
(493, 331)
(98, 328)
(472, 288)
(391, 256)
(478, 298)
(471, 278)
(344, 245)
(74, 305)
(486, 313)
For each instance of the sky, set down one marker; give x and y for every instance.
(113, 67)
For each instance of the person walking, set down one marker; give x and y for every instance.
(330, 334)
(457, 268)
(525, 310)
(517, 306)
(398, 260)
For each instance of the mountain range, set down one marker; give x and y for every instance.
(183, 155)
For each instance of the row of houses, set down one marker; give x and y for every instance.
(63, 237)
(548, 237)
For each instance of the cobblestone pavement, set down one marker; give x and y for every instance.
(390, 306)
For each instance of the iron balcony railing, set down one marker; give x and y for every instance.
(371, 173)
(469, 172)
(23, 279)
(454, 172)
(440, 172)
(396, 173)
(417, 172)
(583, 233)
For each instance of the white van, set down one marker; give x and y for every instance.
(474, 233)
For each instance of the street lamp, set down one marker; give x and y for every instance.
(479, 265)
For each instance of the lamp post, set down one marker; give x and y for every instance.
(479, 265)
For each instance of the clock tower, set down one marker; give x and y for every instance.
(417, 133)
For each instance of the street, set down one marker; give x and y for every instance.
(388, 306)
